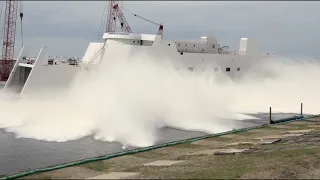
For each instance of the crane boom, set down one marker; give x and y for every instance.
(146, 19)
(115, 12)
(111, 21)
(6, 63)
(123, 22)
(160, 30)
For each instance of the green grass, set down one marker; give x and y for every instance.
(97, 166)
(224, 172)
(235, 166)
(45, 177)
(247, 133)
(187, 145)
(148, 154)
(220, 138)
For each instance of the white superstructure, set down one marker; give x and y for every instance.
(205, 54)
(193, 55)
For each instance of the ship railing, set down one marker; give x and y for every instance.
(267, 53)
(237, 52)
(120, 33)
(233, 52)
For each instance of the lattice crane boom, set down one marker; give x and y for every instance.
(112, 17)
(123, 21)
(9, 31)
(114, 13)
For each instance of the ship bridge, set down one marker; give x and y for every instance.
(131, 38)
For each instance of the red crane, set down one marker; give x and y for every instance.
(115, 12)
(9, 31)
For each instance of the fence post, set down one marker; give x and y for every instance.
(270, 119)
(301, 108)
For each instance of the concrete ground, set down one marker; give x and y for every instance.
(266, 153)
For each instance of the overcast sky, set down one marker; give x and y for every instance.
(66, 28)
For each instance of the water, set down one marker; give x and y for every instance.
(22, 154)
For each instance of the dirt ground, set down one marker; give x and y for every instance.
(295, 155)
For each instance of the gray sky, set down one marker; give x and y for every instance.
(66, 28)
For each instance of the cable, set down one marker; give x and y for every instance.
(103, 18)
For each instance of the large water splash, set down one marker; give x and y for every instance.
(129, 99)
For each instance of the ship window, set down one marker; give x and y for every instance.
(178, 44)
(186, 45)
(238, 69)
(228, 69)
(134, 41)
(168, 44)
(194, 45)
(190, 68)
(181, 53)
(216, 69)
(138, 41)
(213, 46)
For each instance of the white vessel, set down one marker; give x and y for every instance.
(45, 73)
(205, 54)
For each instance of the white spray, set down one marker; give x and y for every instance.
(130, 99)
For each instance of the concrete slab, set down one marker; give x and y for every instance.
(268, 141)
(292, 135)
(116, 175)
(304, 131)
(314, 139)
(217, 152)
(204, 152)
(269, 137)
(261, 142)
(231, 151)
(314, 126)
(241, 143)
(162, 163)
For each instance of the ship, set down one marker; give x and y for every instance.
(205, 54)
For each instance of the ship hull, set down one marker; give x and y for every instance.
(26, 79)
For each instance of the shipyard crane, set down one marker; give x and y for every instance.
(160, 30)
(9, 31)
(115, 11)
